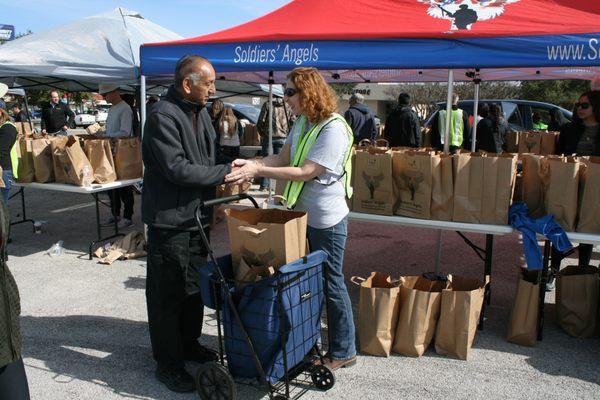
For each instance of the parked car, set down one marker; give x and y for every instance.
(84, 119)
(100, 116)
(241, 111)
(517, 112)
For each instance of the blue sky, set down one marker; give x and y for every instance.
(186, 17)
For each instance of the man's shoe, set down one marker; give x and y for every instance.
(125, 223)
(337, 364)
(176, 380)
(200, 354)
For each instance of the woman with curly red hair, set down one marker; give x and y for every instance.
(316, 161)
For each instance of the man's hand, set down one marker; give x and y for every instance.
(44, 132)
(239, 162)
(245, 173)
(64, 128)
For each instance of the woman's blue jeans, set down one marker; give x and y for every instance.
(341, 322)
(7, 177)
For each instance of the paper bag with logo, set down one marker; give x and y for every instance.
(589, 209)
(373, 191)
(266, 236)
(499, 171)
(128, 158)
(548, 143)
(577, 295)
(377, 313)
(530, 142)
(26, 171)
(57, 145)
(412, 172)
(100, 155)
(532, 190)
(73, 161)
(468, 187)
(442, 188)
(42, 160)
(420, 301)
(560, 179)
(459, 316)
(523, 324)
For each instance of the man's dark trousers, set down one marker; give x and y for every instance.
(175, 308)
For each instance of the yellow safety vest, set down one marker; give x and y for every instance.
(14, 155)
(293, 189)
(456, 127)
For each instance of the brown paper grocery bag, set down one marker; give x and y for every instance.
(373, 187)
(459, 316)
(548, 143)
(99, 153)
(57, 145)
(577, 295)
(420, 301)
(589, 199)
(442, 188)
(378, 309)
(266, 236)
(26, 171)
(499, 172)
(74, 162)
(530, 142)
(560, 180)
(128, 158)
(512, 141)
(24, 129)
(412, 173)
(468, 187)
(42, 160)
(532, 189)
(523, 324)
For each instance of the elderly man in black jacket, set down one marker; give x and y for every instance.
(402, 125)
(179, 152)
(360, 119)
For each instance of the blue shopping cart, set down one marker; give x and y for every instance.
(269, 331)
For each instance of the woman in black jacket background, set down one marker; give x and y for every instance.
(491, 130)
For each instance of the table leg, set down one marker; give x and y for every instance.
(23, 209)
(542, 279)
(487, 278)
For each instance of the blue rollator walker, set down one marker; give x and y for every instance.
(269, 331)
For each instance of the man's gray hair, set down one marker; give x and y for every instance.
(185, 69)
(357, 98)
(455, 99)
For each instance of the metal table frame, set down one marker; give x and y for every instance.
(485, 254)
(93, 190)
(553, 262)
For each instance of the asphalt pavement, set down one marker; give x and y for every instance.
(85, 326)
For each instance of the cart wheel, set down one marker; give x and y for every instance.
(214, 382)
(323, 378)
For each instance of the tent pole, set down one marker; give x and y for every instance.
(448, 110)
(27, 111)
(477, 81)
(270, 147)
(142, 103)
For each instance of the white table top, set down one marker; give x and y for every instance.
(95, 188)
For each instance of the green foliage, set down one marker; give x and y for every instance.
(563, 92)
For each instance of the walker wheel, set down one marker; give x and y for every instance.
(322, 376)
(213, 382)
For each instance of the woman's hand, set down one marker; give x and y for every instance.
(242, 172)
(239, 162)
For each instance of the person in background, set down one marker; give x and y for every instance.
(460, 129)
(179, 149)
(216, 109)
(13, 379)
(129, 98)
(581, 136)
(491, 129)
(119, 124)
(228, 133)
(19, 115)
(402, 127)
(538, 124)
(557, 120)
(56, 116)
(8, 137)
(360, 118)
(315, 161)
(280, 126)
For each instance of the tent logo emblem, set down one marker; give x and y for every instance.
(465, 13)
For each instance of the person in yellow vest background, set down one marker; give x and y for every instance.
(8, 137)
(460, 128)
(316, 161)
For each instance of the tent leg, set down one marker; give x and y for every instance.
(27, 111)
(142, 103)
(475, 113)
(448, 110)
(270, 148)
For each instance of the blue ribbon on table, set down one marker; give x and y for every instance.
(518, 217)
